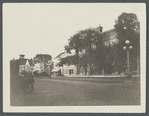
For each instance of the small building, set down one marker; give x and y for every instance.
(69, 70)
(65, 69)
(25, 64)
(39, 67)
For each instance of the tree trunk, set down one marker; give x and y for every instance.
(85, 70)
(91, 70)
(90, 57)
(99, 70)
(77, 61)
(103, 72)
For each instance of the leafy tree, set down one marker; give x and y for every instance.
(84, 62)
(88, 46)
(69, 60)
(127, 28)
(107, 59)
(42, 58)
(62, 62)
(75, 43)
(111, 63)
(93, 47)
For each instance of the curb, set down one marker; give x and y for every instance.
(95, 79)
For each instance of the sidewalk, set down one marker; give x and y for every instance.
(98, 76)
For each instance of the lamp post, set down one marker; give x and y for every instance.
(128, 47)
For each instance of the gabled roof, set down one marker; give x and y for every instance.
(108, 31)
(56, 69)
(31, 62)
(27, 63)
(58, 56)
(23, 62)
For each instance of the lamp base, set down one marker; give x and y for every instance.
(128, 78)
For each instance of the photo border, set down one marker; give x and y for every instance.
(63, 110)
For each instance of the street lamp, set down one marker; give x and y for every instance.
(127, 47)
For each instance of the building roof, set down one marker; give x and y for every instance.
(23, 62)
(108, 31)
(31, 62)
(55, 69)
(58, 56)
(65, 54)
(109, 35)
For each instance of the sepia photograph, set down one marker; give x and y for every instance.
(74, 57)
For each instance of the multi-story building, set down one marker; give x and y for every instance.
(108, 38)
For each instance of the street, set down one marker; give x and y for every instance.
(62, 92)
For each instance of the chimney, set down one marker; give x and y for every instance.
(21, 56)
(99, 29)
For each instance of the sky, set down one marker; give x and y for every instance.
(44, 28)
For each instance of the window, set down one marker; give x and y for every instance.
(72, 71)
(93, 46)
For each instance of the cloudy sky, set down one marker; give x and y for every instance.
(44, 28)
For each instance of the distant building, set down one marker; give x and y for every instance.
(39, 67)
(21, 64)
(65, 69)
(25, 64)
(41, 62)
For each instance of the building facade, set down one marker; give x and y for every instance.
(109, 37)
(24, 64)
(65, 69)
(39, 67)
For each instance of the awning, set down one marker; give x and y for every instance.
(55, 70)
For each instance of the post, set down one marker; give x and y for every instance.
(49, 70)
(138, 66)
(128, 62)
(102, 71)
(77, 60)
